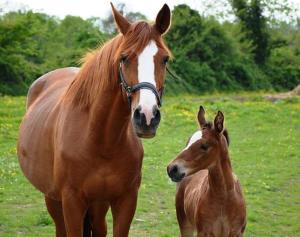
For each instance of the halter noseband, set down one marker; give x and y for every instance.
(142, 85)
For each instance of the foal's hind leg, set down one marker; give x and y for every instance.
(55, 211)
(97, 212)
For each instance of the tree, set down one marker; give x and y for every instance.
(32, 44)
(253, 24)
(205, 55)
(108, 24)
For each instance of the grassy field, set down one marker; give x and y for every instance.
(264, 151)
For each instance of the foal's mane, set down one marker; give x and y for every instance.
(99, 70)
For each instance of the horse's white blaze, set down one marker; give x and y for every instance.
(196, 137)
(146, 74)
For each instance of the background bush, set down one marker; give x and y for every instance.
(248, 54)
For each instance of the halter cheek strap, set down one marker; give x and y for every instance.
(142, 85)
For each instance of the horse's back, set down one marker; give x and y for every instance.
(35, 144)
(61, 78)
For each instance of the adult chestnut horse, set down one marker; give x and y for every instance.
(79, 139)
(209, 197)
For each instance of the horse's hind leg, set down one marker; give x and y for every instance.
(97, 212)
(55, 211)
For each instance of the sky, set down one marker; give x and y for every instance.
(94, 8)
(101, 8)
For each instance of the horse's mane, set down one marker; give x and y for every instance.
(99, 68)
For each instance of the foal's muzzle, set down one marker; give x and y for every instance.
(143, 128)
(175, 173)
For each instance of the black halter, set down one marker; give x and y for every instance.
(142, 85)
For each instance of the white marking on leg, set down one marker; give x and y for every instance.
(146, 74)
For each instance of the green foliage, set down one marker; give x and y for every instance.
(254, 26)
(34, 43)
(264, 151)
(209, 56)
(284, 68)
(283, 65)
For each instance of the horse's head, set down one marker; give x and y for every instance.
(203, 149)
(142, 58)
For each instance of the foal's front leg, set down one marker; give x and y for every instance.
(74, 210)
(123, 210)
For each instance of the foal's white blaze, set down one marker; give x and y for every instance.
(181, 164)
(146, 74)
(196, 137)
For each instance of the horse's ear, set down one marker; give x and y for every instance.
(226, 135)
(122, 23)
(219, 121)
(163, 19)
(201, 117)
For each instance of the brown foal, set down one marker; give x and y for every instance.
(209, 197)
(79, 139)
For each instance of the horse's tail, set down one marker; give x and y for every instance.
(87, 226)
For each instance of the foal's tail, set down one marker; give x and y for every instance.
(87, 226)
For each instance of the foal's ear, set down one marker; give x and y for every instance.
(163, 19)
(122, 23)
(201, 117)
(219, 121)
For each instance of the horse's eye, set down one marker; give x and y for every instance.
(204, 146)
(124, 59)
(165, 60)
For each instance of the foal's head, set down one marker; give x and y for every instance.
(203, 149)
(143, 57)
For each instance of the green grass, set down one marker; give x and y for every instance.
(264, 151)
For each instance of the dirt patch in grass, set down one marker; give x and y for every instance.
(293, 93)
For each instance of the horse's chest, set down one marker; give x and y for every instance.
(221, 226)
(216, 221)
(113, 179)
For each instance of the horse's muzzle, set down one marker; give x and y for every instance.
(143, 128)
(174, 173)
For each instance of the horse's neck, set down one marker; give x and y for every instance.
(220, 177)
(109, 118)
(109, 113)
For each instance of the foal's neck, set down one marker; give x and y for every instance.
(220, 177)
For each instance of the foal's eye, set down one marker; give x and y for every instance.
(204, 146)
(165, 60)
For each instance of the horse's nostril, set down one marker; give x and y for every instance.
(156, 116)
(137, 113)
(173, 170)
(155, 110)
(139, 108)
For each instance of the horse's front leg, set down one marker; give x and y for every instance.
(123, 210)
(74, 210)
